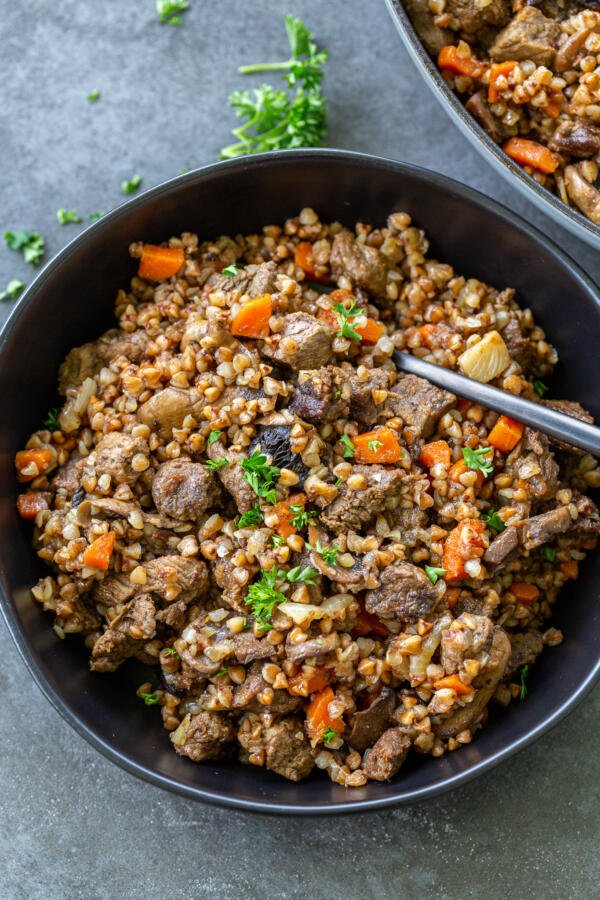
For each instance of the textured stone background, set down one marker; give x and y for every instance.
(71, 824)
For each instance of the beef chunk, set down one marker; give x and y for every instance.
(364, 265)
(569, 408)
(353, 509)
(576, 138)
(231, 476)
(206, 735)
(253, 280)
(125, 636)
(367, 725)
(321, 395)
(473, 16)
(533, 462)
(189, 577)
(388, 754)
(422, 18)
(527, 535)
(184, 490)
(583, 194)
(287, 750)
(404, 592)
(521, 349)
(466, 638)
(530, 35)
(68, 477)
(167, 409)
(360, 576)
(229, 578)
(245, 696)
(274, 442)
(317, 646)
(85, 361)
(419, 403)
(114, 454)
(248, 648)
(409, 521)
(113, 590)
(525, 646)
(303, 343)
(478, 106)
(362, 404)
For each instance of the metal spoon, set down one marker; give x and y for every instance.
(543, 418)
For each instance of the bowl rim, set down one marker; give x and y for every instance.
(551, 205)
(13, 622)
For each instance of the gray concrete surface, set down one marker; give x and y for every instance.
(71, 824)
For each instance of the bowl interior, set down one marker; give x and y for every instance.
(72, 301)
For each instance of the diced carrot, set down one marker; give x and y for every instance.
(379, 446)
(29, 505)
(318, 717)
(459, 468)
(554, 107)
(284, 526)
(463, 405)
(32, 463)
(454, 683)
(525, 592)
(99, 552)
(368, 623)
(450, 60)
(570, 568)
(302, 685)
(435, 454)
(506, 434)
(426, 332)
(496, 71)
(530, 153)
(252, 320)
(461, 545)
(304, 259)
(158, 263)
(451, 597)
(370, 332)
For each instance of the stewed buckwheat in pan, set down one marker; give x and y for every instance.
(326, 562)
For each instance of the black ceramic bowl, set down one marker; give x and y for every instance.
(71, 302)
(549, 203)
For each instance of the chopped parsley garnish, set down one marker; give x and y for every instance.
(230, 270)
(251, 517)
(93, 217)
(339, 482)
(494, 521)
(171, 651)
(263, 596)
(301, 517)
(337, 393)
(548, 553)
(523, 690)
(288, 117)
(540, 388)
(51, 420)
(302, 576)
(214, 436)
(93, 96)
(221, 672)
(184, 171)
(277, 541)
(168, 11)
(344, 316)
(30, 243)
(349, 447)
(374, 444)
(476, 459)
(213, 464)
(131, 186)
(434, 573)
(66, 216)
(13, 289)
(329, 736)
(260, 475)
(149, 699)
(329, 554)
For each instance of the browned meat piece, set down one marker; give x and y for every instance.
(114, 454)
(113, 590)
(253, 280)
(321, 395)
(533, 462)
(353, 509)
(528, 534)
(68, 477)
(231, 476)
(359, 577)
(479, 107)
(233, 581)
(569, 408)
(530, 35)
(317, 646)
(186, 579)
(521, 349)
(419, 403)
(248, 648)
(388, 754)
(287, 750)
(85, 361)
(576, 138)
(571, 47)
(273, 440)
(405, 592)
(303, 343)
(362, 404)
(200, 665)
(526, 646)
(125, 636)
(184, 490)
(367, 726)
(365, 266)
(409, 521)
(245, 696)
(167, 409)
(588, 522)
(466, 638)
(433, 38)
(583, 194)
(466, 717)
(472, 15)
(207, 735)
(173, 615)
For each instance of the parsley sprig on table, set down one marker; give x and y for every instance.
(479, 459)
(131, 186)
(66, 216)
(29, 243)
(168, 11)
(260, 476)
(294, 116)
(13, 289)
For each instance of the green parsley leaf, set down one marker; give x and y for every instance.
(221, 672)
(230, 270)
(93, 96)
(131, 186)
(13, 289)
(434, 573)
(329, 554)
(149, 699)
(251, 517)
(476, 459)
(184, 171)
(213, 464)
(337, 393)
(93, 217)
(524, 674)
(51, 421)
(263, 596)
(30, 243)
(301, 518)
(260, 475)
(168, 11)
(214, 436)
(170, 651)
(540, 388)
(548, 553)
(374, 444)
(303, 576)
(329, 736)
(344, 316)
(66, 216)
(277, 540)
(349, 448)
(339, 482)
(493, 520)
